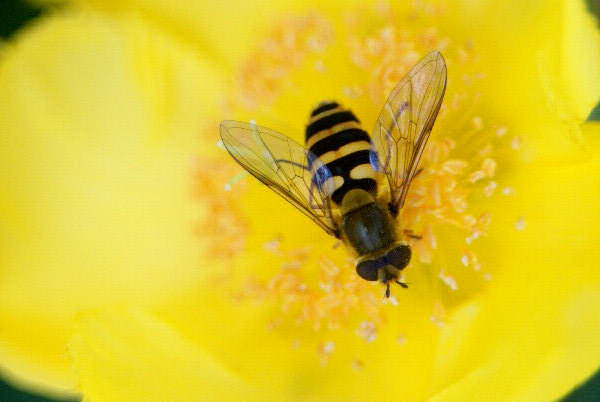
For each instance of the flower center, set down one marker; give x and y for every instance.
(449, 207)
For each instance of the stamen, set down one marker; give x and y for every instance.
(273, 245)
(501, 131)
(489, 167)
(489, 189)
(367, 331)
(224, 227)
(235, 179)
(476, 176)
(470, 258)
(291, 41)
(448, 280)
(325, 350)
(438, 316)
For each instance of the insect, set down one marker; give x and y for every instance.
(334, 178)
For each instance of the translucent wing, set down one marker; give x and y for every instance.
(285, 166)
(403, 127)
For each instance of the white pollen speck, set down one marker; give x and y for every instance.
(487, 276)
(501, 131)
(448, 280)
(221, 145)
(465, 260)
(352, 92)
(489, 189)
(508, 191)
(401, 339)
(477, 123)
(253, 122)
(472, 238)
(489, 167)
(367, 331)
(476, 176)
(436, 320)
(387, 33)
(292, 265)
(393, 300)
(470, 220)
(227, 187)
(520, 223)
(515, 143)
(320, 66)
(325, 287)
(325, 350)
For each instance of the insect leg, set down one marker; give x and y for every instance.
(419, 170)
(410, 233)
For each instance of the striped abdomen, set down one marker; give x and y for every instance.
(335, 136)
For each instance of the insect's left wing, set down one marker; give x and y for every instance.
(285, 166)
(403, 127)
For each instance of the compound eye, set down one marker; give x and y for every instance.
(368, 269)
(399, 257)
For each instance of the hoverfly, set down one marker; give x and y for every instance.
(334, 178)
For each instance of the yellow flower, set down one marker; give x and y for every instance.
(150, 281)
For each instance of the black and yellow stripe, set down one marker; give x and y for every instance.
(335, 136)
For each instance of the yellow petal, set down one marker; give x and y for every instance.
(539, 319)
(590, 134)
(99, 120)
(580, 59)
(125, 354)
(548, 51)
(225, 31)
(568, 66)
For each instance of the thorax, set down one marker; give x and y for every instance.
(367, 224)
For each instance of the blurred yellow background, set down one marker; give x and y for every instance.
(129, 272)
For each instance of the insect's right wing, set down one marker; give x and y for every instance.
(285, 166)
(403, 127)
